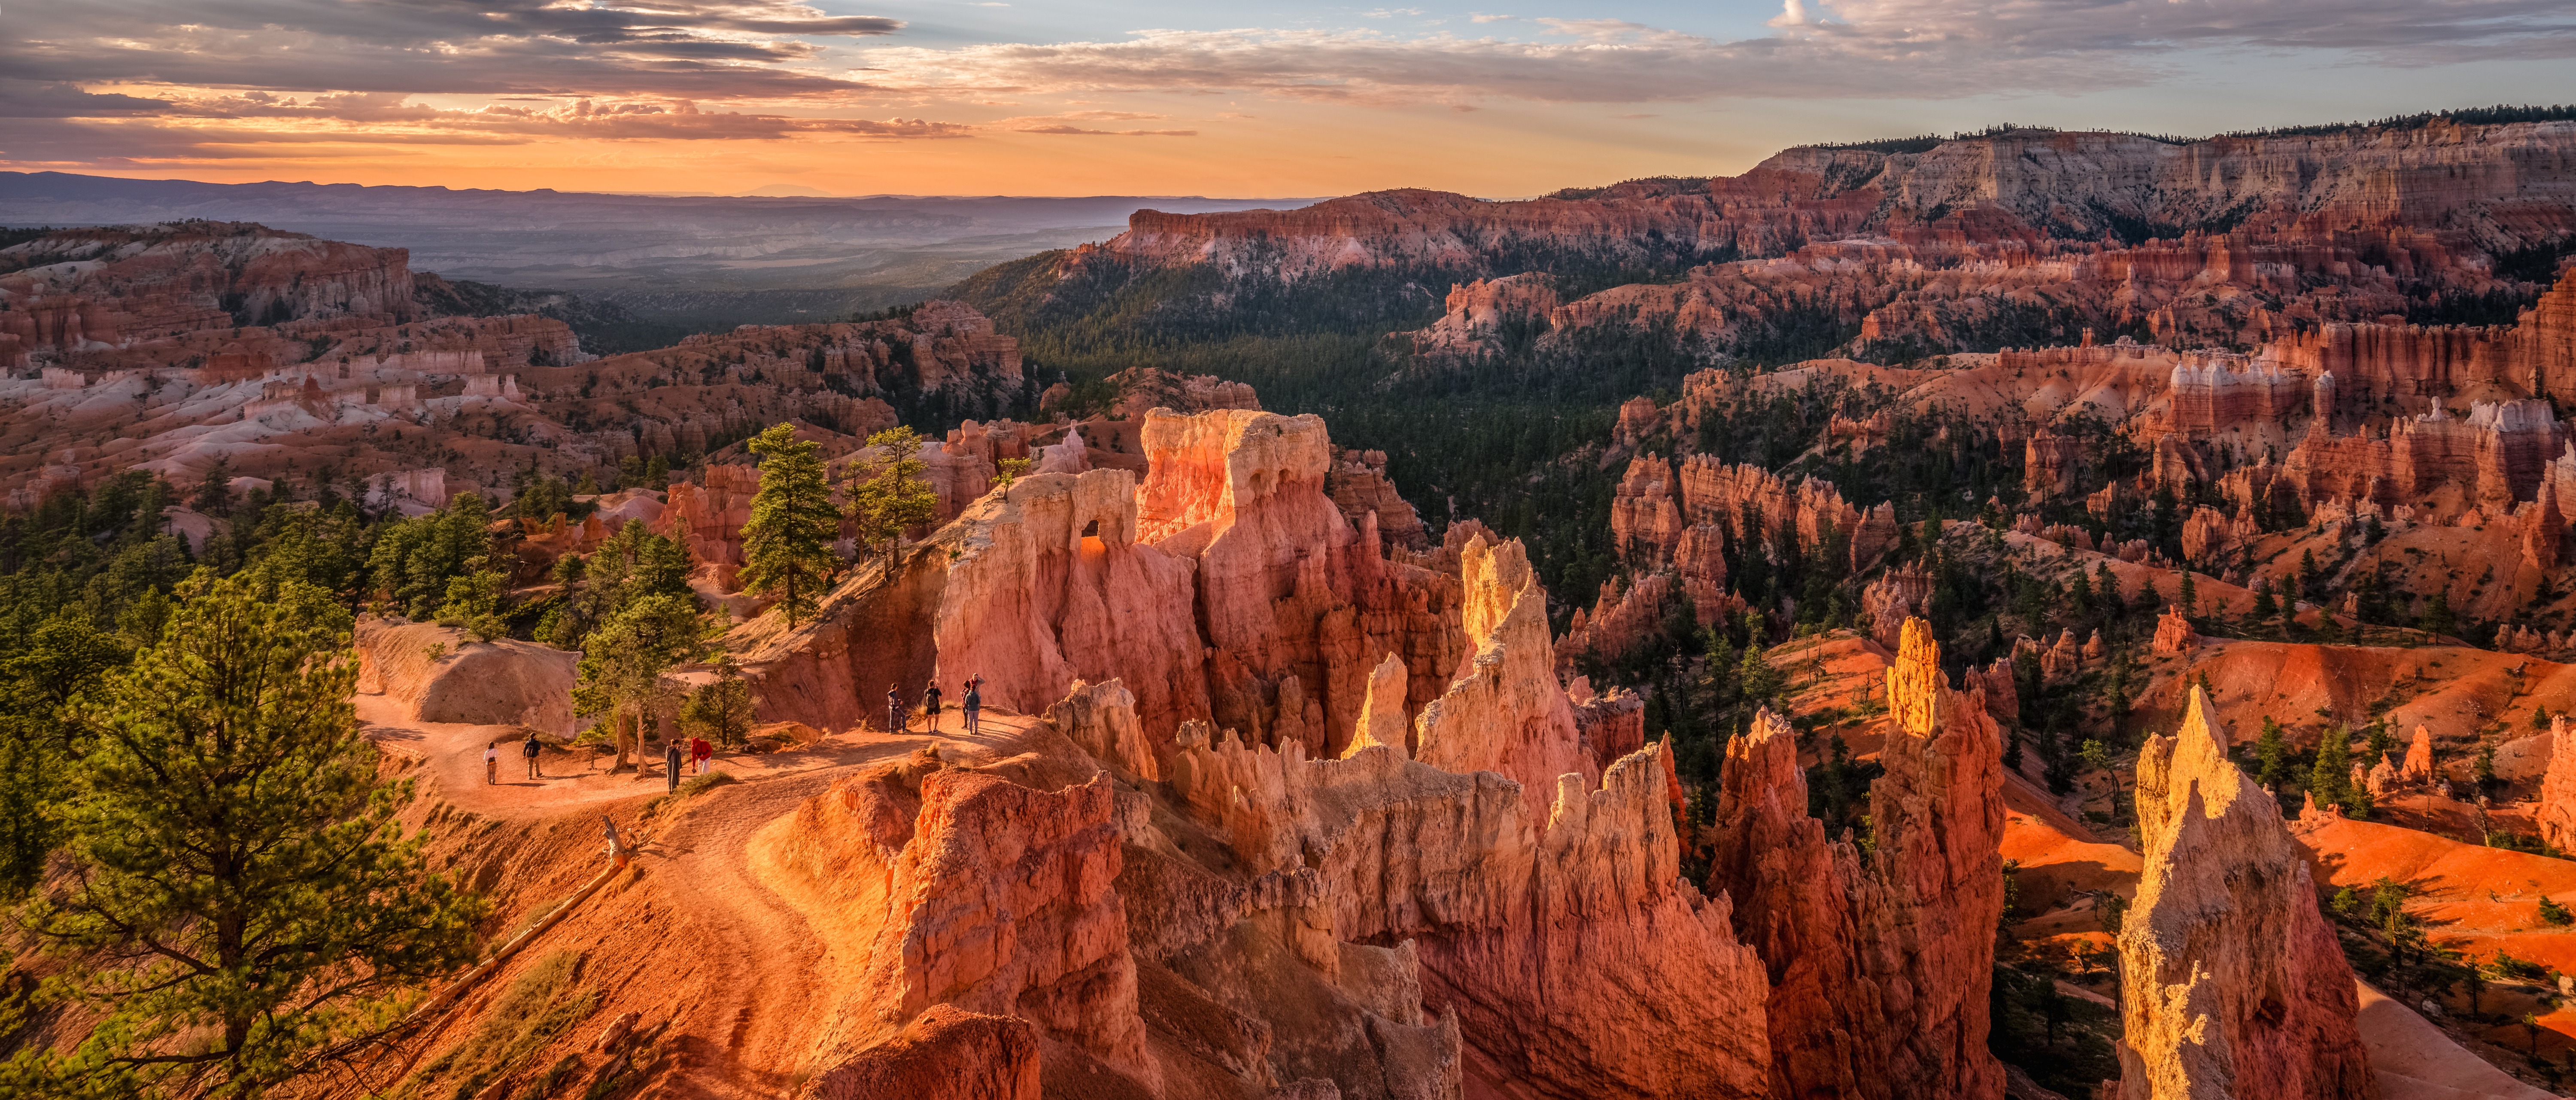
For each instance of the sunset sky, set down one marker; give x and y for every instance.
(1255, 98)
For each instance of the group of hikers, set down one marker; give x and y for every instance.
(675, 752)
(972, 703)
(695, 750)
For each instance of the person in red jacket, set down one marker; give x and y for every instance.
(700, 752)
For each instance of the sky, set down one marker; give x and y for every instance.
(1251, 98)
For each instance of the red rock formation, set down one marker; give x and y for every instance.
(2232, 983)
(946, 1053)
(1644, 518)
(1624, 617)
(1478, 312)
(1899, 594)
(1287, 587)
(1144, 389)
(708, 519)
(440, 674)
(1610, 726)
(2555, 809)
(2049, 463)
(1358, 485)
(1049, 586)
(2418, 767)
(136, 282)
(2544, 529)
(2174, 633)
(1503, 711)
(1879, 962)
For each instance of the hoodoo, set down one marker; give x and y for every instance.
(2232, 983)
(1879, 960)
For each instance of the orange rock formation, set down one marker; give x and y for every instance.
(1878, 961)
(2234, 984)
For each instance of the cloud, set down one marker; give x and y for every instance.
(701, 48)
(1491, 18)
(1061, 129)
(28, 99)
(1853, 49)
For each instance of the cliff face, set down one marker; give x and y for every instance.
(1522, 858)
(2232, 983)
(2556, 812)
(2503, 182)
(78, 287)
(1878, 963)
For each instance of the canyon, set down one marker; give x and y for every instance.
(2054, 614)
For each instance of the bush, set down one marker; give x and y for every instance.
(2552, 913)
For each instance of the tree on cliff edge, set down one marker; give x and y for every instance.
(787, 546)
(234, 892)
(893, 496)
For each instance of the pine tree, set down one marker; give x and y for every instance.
(243, 905)
(787, 546)
(893, 495)
(2331, 779)
(622, 665)
(2272, 752)
(721, 710)
(2188, 596)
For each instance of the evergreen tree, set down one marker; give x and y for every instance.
(893, 496)
(2437, 618)
(721, 710)
(787, 546)
(2188, 596)
(243, 907)
(2272, 752)
(622, 665)
(2330, 780)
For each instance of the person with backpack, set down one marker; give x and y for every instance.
(974, 705)
(930, 707)
(671, 763)
(530, 750)
(491, 763)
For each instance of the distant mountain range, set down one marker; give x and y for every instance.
(692, 260)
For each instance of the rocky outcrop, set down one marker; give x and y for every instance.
(1048, 585)
(2174, 633)
(1503, 711)
(441, 674)
(124, 283)
(708, 518)
(2418, 767)
(2555, 811)
(2049, 463)
(1899, 594)
(1358, 485)
(1623, 618)
(2232, 983)
(960, 887)
(1878, 962)
(946, 1053)
(1479, 313)
(1287, 587)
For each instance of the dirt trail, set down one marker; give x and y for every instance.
(690, 934)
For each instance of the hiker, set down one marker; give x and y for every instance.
(530, 750)
(491, 763)
(894, 709)
(701, 752)
(671, 762)
(974, 705)
(930, 707)
(616, 850)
